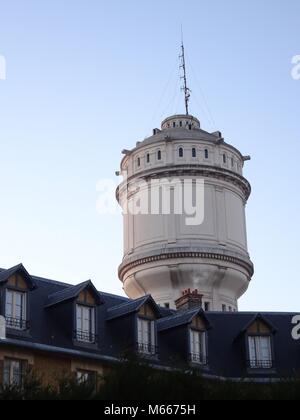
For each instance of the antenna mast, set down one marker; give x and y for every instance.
(186, 90)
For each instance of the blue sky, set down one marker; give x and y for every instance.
(86, 79)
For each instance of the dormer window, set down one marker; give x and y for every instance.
(146, 336)
(85, 324)
(15, 309)
(260, 352)
(198, 350)
(259, 336)
(146, 330)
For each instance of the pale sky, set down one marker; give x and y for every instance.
(86, 79)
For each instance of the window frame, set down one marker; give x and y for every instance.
(148, 349)
(86, 377)
(180, 152)
(198, 358)
(258, 363)
(80, 333)
(8, 365)
(13, 322)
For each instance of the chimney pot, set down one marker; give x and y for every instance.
(189, 300)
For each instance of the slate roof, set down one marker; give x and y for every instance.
(6, 274)
(54, 330)
(180, 318)
(70, 293)
(130, 307)
(262, 318)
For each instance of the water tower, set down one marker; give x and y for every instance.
(163, 255)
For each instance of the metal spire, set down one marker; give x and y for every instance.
(186, 90)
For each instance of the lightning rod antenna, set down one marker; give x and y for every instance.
(186, 90)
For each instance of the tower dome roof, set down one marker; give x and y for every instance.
(181, 121)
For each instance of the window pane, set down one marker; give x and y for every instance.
(146, 336)
(15, 309)
(9, 297)
(265, 349)
(79, 317)
(252, 350)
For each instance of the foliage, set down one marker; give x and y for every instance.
(136, 380)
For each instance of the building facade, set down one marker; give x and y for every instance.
(57, 328)
(165, 251)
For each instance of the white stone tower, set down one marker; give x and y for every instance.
(163, 256)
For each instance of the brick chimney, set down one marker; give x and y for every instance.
(189, 300)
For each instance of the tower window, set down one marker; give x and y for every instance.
(180, 152)
(206, 154)
(148, 158)
(232, 162)
(139, 162)
(224, 159)
(159, 155)
(224, 308)
(207, 306)
(194, 152)
(174, 124)
(180, 123)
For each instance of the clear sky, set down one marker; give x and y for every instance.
(86, 79)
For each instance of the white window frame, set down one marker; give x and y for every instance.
(85, 324)
(198, 347)
(260, 351)
(16, 314)
(146, 335)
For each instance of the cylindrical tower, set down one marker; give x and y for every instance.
(163, 255)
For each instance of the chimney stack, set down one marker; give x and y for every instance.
(189, 300)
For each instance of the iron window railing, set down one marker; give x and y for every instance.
(199, 359)
(17, 323)
(147, 349)
(260, 364)
(86, 337)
